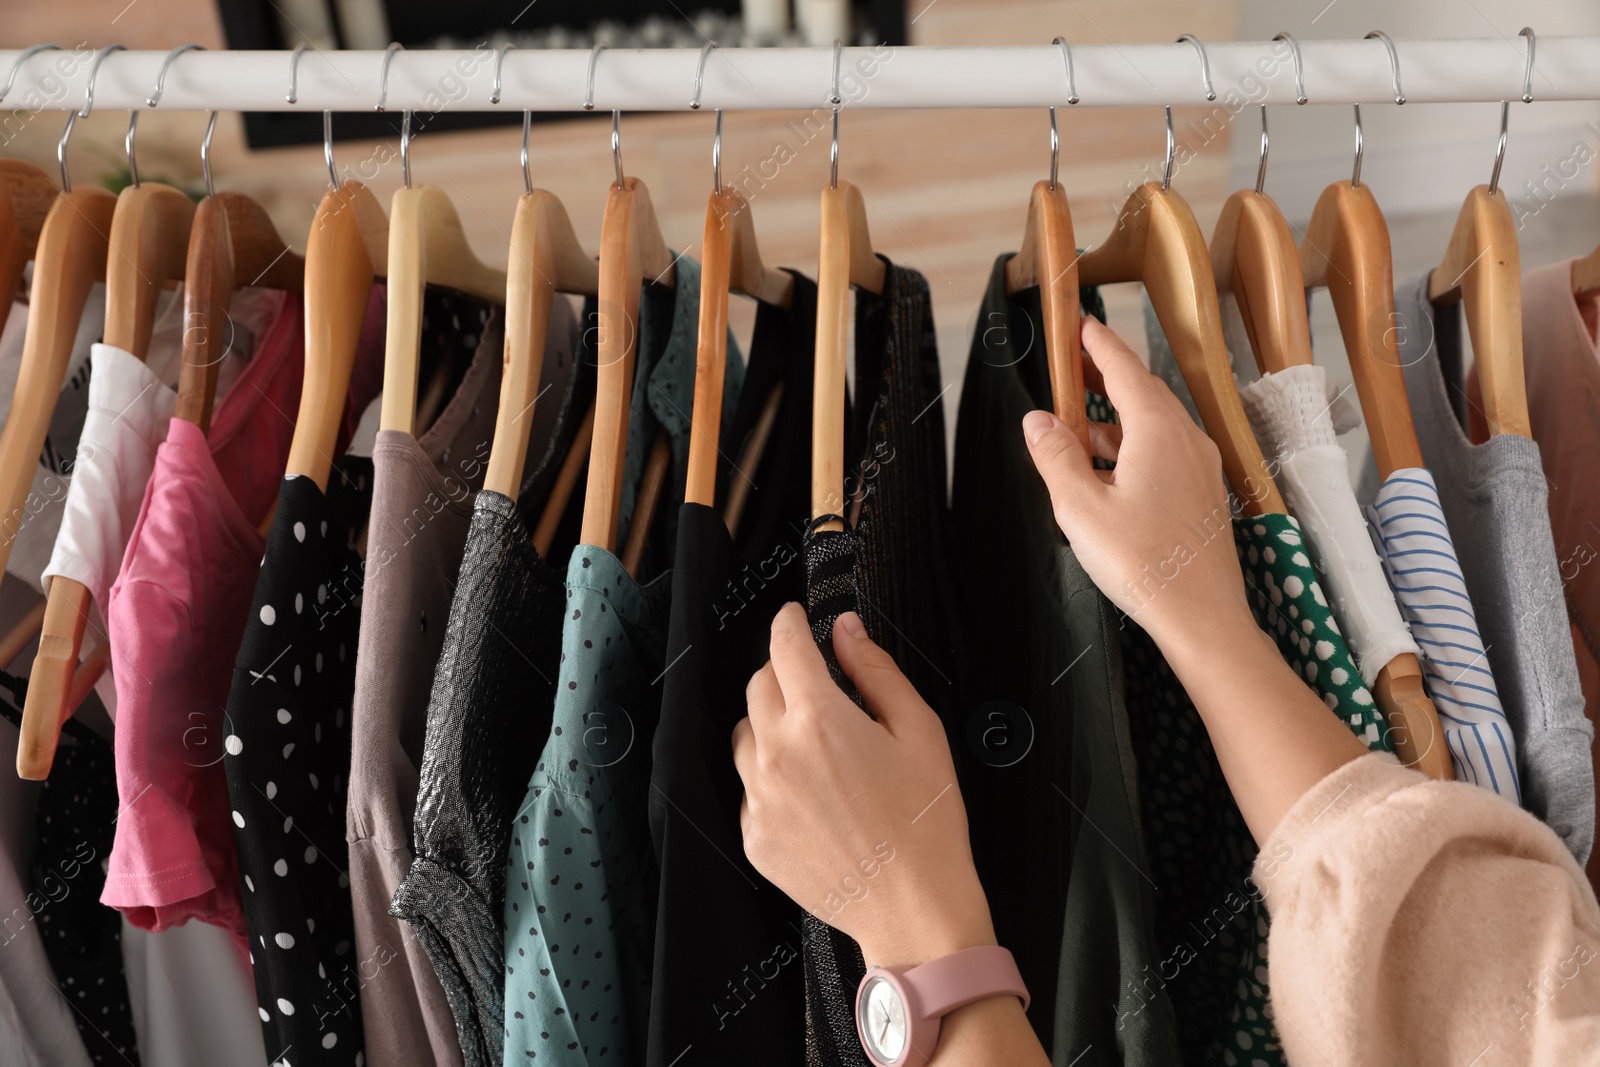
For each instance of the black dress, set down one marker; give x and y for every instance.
(740, 990)
(892, 567)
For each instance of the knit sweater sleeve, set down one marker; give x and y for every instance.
(1425, 922)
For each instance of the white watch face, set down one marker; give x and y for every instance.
(884, 1023)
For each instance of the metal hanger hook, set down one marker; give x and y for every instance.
(151, 101)
(1394, 62)
(205, 153)
(836, 101)
(527, 115)
(294, 73)
(594, 60)
(694, 105)
(161, 75)
(1355, 172)
(405, 147)
(1527, 70)
(499, 61)
(383, 74)
(616, 143)
(29, 53)
(1299, 68)
(74, 116)
(1172, 151)
(1261, 168)
(1505, 110)
(327, 149)
(700, 74)
(1072, 98)
(1205, 63)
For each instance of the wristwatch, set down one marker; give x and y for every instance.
(899, 1009)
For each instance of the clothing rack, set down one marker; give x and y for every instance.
(882, 76)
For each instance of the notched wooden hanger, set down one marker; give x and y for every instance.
(631, 250)
(1253, 256)
(1482, 267)
(347, 249)
(1346, 248)
(847, 261)
(1157, 241)
(545, 259)
(1049, 259)
(427, 246)
(730, 262)
(71, 256)
(25, 198)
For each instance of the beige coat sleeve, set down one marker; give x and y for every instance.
(1418, 922)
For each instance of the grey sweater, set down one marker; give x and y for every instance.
(1495, 499)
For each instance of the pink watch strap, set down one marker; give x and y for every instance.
(965, 977)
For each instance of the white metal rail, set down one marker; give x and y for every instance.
(1242, 72)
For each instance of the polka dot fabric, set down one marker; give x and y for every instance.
(82, 938)
(580, 887)
(287, 758)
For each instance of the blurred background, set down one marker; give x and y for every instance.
(948, 189)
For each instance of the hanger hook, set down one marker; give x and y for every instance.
(294, 73)
(527, 115)
(1172, 151)
(151, 101)
(74, 116)
(1505, 110)
(694, 105)
(1394, 62)
(836, 101)
(383, 74)
(616, 143)
(1205, 63)
(1299, 69)
(29, 53)
(594, 59)
(499, 61)
(1527, 70)
(205, 153)
(327, 149)
(1261, 168)
(1355, 173)
(161, 75)
(700, 74)
(1072, 98)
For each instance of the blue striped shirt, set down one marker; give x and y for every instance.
(1409, 531)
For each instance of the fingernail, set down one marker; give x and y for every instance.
(850, 623)
(1035, 424)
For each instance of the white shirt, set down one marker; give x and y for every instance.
(1290, 413)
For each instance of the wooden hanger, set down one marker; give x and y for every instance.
(1482, 267)
(427, 246)
(1049, 259)
(1156, 240)
(847, 260)
(346, 250)
(730, 262)
(1253, 256)
(149, 242)
(25, 199)
(545, 259)
(631, 250)
(1346, 248)
(231, 245)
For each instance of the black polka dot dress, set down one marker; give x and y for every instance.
(287, 759)
(74, 825)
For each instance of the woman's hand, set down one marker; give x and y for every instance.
(1156, 534)
(859, 821)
